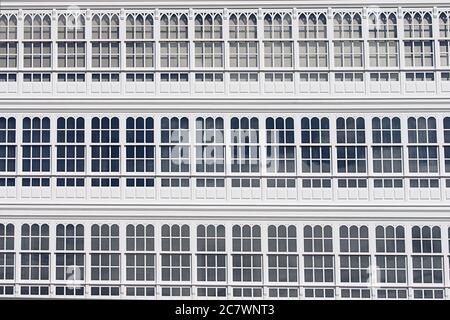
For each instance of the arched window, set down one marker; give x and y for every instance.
(278, 26)
(105, 259)
(312, 26)
(139, 26)
(383, 25)
(243, 26)
(105, 26)
(418, 25)
(422, 148)
(208, 26)
(140, 256)
(35, 256)
(174, 26)
(71, 27)
(8, 27)
(245, 145)
(347, 26)
(175, 149)
(444, 25)
(280, 150)
(211, 263)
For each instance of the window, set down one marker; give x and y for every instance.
(247, 259)
(383, 54)
(7, 256)
(139, 54)
(422, 145)
(71, 27)
(105, 149)
(174, 54)
(209, 54)
(383, 25)
(210, 145)
(347, 25)
(140, 261)
(244, 145)
(243, 26)
(35, 256)
(278, 26)
(348, 54)
(444, 25)
(244, 54)
(316, 149)
(37, 54)
(282, 258)
(70, 252)
(105, 26)
(7, 144)
(71, 54)
(355, 265)
(105, 257)
(8, 55)
(36, 145)
(444, 53)
(312, 26)
(175, 145)
(175, 265)
(105, 54)
(8, 27)
(419, 54)
(390, 259)
(318, 260)
(280, 152)
(447, 144)
(352, 157)
(427, 259)
(211, 259)
(140, 149)
(37, 27)
(313, 54)
(278, 54)
(418, 25)
(70, 149)
(139, 26)
(208, 26)
(386, 150)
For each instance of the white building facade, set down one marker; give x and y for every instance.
(225, 149)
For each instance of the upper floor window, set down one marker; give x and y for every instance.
(383, 25)
(243, 26)
(71, 27)
(352, 157)
(278, 26)
(175, 144)
(208, 26)
(37, 27)
(210, 149)
(444, 25)
(105, 26)
(418, 25)
(8, 27)
(139, 26)
(280, 149)
(174, 26)
(347, 26)
(245, 145)
(312, 26)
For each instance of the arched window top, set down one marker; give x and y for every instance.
(8, 27)
(139, 26)
(383, 25)
(444, 25)
(208, 26)
(105, 26)
(174, 26)
(243, 26)
(37, 26)
(347, 25)
(277, 26)
(418, 25)
(312, 26)
(71, 26)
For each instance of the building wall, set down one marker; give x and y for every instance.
(246, 158)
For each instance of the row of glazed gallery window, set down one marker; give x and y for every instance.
(72, 45)
(357, 258)
(215, 145)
